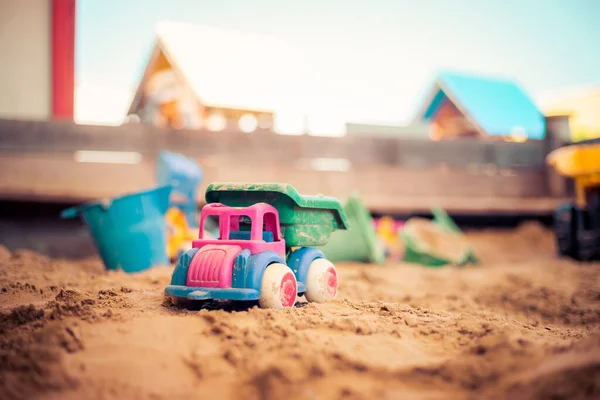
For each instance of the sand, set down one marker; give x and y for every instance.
(523, 324)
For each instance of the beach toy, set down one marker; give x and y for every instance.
(388, 224)
(265, 250)
(387, 230)
(129, 231)
(360, 242)
(577, 224)
(435, 243)
(179, 233)
(184, 175)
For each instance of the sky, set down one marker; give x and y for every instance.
(372, 60)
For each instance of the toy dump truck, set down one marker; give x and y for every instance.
(265, 249)
(577, 225)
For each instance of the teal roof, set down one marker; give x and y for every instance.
(498, 107)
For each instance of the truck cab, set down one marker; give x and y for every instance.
(255, 228)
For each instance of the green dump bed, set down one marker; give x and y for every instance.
(306, 221)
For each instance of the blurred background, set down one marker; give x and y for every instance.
(412, 104)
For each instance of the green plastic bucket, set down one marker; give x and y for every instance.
(359, 243)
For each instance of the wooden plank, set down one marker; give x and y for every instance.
(540, 206)
(57, 137)
(57, 177)
(531, 154)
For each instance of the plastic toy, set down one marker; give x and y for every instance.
(358, 243)
(129, 231)
(179, 234)
(387, 230)
(435, 243)
(577, 225)
(265, 250)
(185, 175)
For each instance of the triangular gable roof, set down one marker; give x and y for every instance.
(229, 69)
(496, 107)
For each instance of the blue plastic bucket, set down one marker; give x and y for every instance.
(129, 231)
(185, 175)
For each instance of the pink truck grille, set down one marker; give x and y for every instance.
(212, 266)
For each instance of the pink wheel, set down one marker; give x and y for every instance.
(279, 288)
(321, 281)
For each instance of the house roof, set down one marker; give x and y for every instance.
(496, 107)
(230, 69)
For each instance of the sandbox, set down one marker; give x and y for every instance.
(521, 324)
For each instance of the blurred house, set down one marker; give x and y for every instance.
(204, 77)
(480, 107)
(37, 71)
(415, 130)
(582, 105)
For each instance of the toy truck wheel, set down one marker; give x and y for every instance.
(565, 228)
(321, 281)
(278, 288)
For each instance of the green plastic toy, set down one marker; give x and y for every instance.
(359, 243)
(418, 252)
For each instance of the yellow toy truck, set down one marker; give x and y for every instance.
(577, 224)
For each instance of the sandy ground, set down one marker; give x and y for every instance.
(522, 324)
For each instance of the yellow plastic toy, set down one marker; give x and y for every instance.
(581, 162)
(578, 225)
(388, 233)
(179, 234)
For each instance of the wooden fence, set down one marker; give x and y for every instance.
(396, 175)
(58, 137)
